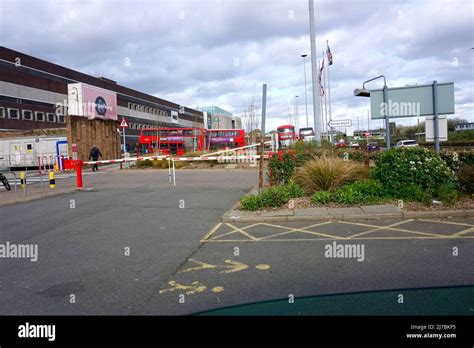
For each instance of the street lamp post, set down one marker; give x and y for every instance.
(297, 117)
(305, 88)
(363, 92)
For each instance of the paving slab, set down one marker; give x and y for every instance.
(345, 211)
(381, 209)
(312, 212)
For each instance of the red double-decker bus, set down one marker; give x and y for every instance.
(286, 135)
(220, 139)
(172, 141)
(177, 141)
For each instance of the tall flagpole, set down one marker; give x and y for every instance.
(314, 67)
(329, 87)
(321, 109)
(325, 90)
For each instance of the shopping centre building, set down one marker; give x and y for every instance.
(37, 94)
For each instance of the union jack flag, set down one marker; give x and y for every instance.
(321, 92)
(329, 54)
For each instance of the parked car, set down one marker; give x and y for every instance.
(406, 143)
(373, 146)
(354, 144)
(340, 144)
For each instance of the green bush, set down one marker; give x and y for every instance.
(357, 155)
(251, 202)
(447, 193)
(328, 173)
(293, 190)
(144, 164)
(280, 168)
(465, 176)
(322, 197)
(400, 168)
(457, 159)
(359, 192)
(413, 193)
(274, 196)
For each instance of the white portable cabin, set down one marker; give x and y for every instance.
(32, 151)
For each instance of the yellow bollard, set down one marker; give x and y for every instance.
(22, 180)
(52, 181)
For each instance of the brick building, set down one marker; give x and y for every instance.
(31, 90)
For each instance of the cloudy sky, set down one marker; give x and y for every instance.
(220, 52)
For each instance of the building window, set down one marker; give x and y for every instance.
(61, 119)
(51, 117)
(39, 116)
(13, 113)
(2, 112)
(27, 115)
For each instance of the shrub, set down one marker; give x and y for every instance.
(274, 196)
(251, 202)
(144, 164)
(457, 159)
(447, 193)
(365, 191)
(357, 155)
(401, 168)
(413, 193)
(293, 190)
(465, 176)
(280, 168)
(322, 197)
(327, 173)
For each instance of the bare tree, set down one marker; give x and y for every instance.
(251, 117)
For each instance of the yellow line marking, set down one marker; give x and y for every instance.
(232, 266)
(217, 289)
(447, 222)
(202, 265)
(460, 233)
(262, 267)
(302, 231)
(194, 288)
(291, 230)
(397, 229)
(376, 229)
(328, 239)
(211, 232)
(234, 230)
(240, 230)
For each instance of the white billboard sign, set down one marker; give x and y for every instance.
(411, 101)
(443, 128)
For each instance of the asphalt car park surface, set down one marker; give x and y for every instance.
(134, 244)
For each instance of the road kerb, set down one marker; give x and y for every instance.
(40, 196)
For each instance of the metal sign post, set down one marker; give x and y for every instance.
(386, 116)
(262, 136)
(435, 114)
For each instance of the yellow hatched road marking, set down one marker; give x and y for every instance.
(211, 232)
(394, 229)
(447, 222)
(358, 236)
(242, 231)
(460, 233)
(291, 230)
(377, 228)
(326, 239)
